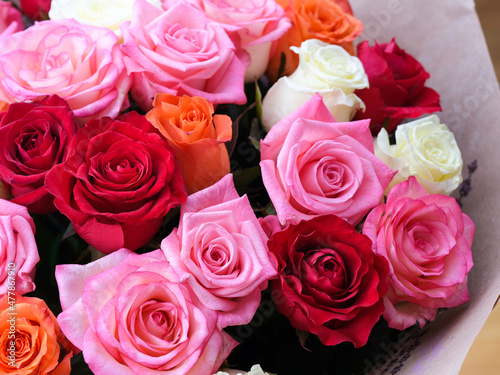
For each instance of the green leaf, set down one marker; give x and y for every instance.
(258, 100)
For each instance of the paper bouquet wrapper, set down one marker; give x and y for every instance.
(446, 37)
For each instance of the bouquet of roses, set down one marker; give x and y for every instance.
(200, 185)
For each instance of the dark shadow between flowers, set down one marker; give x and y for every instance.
(272, 342)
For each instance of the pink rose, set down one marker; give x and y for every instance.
(256, 22)
(181, 52)
(221, 251)
(312, 165)
(427, 241)
(81, 64)
(18, 250)
(11, 20)
(129, 314)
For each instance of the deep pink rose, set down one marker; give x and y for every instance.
(34, 137)
(221, 251)
(312, 165)
(130, 314)
(18, 250)
(34, 9)
(11, 20)
(118, 184)
(81, 64)
(397, 90)
(181, 52)
(427, 241)
(330, 282)
(270, 224)
(257, 23)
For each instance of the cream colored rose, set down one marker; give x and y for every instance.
(255, 370)
(101, 13)
(325, 69)
(426, 149)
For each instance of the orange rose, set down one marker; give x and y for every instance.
(196, 135)
(31, 342)
(330, 21)
(3, 106)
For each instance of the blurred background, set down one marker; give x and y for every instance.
(489, 15)
(484, 355)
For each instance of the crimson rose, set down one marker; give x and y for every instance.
(396, 88)
(118, 184)
(330, 282)
(36, 9)
(33, 138)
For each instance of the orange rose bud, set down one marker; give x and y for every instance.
(196, 135)
(330, 21)
(31, 340)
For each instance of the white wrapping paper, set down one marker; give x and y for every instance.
(446, 37)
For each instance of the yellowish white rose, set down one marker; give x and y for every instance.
(426, 149)
(100, 13)
(325, 69)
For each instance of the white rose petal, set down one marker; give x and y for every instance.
(426, 149)
(255, 370)
(325, 69)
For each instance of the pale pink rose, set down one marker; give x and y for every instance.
(81, 64)
(129, 314)
(221, 251)
(18, 250)
(181, 52)
(11, 20)
(257, 23)
(312, 165)
(427, 240)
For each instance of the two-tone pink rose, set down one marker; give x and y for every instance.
(427, 240)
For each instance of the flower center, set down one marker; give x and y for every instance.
(163, 321)
(30, 141)
(329, 265)
(182, 39)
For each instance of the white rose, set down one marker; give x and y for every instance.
(325, 69)
(255, 370)
(426, 149)
(101, 13)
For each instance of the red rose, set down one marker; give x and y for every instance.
(36, 9)
(34, 137)
(330, 282)
(396, 88)
(118, 184)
